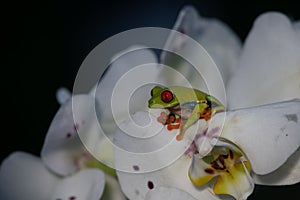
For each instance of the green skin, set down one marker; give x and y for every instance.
(187, 103)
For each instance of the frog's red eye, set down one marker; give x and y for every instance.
(166, 96)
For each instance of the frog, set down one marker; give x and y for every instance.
(189, 104)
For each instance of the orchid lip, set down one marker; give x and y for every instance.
(229, 169)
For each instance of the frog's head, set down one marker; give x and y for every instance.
(162, 98)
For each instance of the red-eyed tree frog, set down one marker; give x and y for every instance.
(187, 103)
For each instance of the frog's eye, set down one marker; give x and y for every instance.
(166, 96)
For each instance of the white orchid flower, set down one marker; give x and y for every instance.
(24, 176)
(225, 155)
(250, 130)
(74, 141)
(272, 50)
(253, 145)
(63, 151)
(72, 135)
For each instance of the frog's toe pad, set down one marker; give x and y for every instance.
(163, 118)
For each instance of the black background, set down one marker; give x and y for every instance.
(44, 44)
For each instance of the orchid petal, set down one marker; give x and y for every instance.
(23, 176)
(63, 146)
(120, 67)
(152, 142)
(168, 194)
(267, 134)
(287, 174)
(296, 26)
(112, 189)
(85, 184)
(215, 36)
(146, 163)
(269, 65)
(137, 185)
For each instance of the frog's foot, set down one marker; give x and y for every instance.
(171, 119)
(163, 118)
(206, 114)
(175, 125)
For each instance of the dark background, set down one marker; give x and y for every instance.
(44, 43)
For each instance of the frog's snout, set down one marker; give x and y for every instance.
(150, 102)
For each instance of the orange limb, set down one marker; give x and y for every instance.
(171, 121)
(206, 114)
(175, 125)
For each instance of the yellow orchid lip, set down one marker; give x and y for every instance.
(231, 182)
(232, 174)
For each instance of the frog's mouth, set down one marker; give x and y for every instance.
(174, 109)
(152, 105)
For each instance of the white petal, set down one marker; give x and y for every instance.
(198, 69)
(297, 27)
(141, 143)
(112, 190)
(63, 146)
(269, 68)
(137, 185)
(268, 134)
(62, 95)
(144, 163)
(23, 176)
(122, 66)
(215, 36)
(168, 194)
(287, 174)
(86, 184)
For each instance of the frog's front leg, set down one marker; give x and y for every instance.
(193, 118)
(207, 113)
(215, 105)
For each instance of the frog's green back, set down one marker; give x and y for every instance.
(185, 94)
